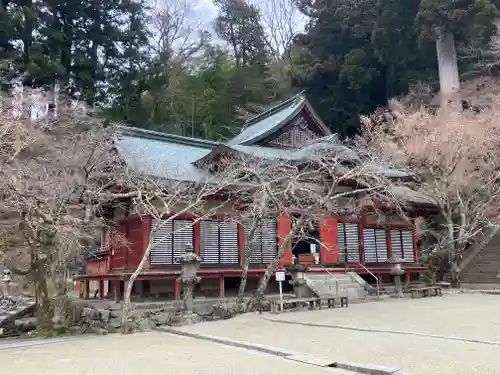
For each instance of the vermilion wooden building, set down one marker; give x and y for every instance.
(285, 131)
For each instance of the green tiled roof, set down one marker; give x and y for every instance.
(273, 119)
(162, 155)
(175, 158)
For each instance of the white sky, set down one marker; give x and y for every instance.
(205, 11)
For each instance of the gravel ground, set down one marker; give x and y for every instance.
(150, 353)
(468, 316)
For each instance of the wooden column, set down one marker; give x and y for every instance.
(222, 288)
(79, 288)
(116, 290)
(177, 289)
(361, 227)
(86, 289)
(196, 238)
(284, 227)
(329, 239)
(389, 242)
(101, 289)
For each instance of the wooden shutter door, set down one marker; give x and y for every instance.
(209, 241)
(341, 242)
(255, 242)
(328, 233)
(268, 240)
(352, 242)
(370, 245)
(228, 242)
(183, 235)
(397, 245)
(407, 245)
(161, 240)
(381, 241)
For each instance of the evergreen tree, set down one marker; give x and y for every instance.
(239, 25)
(451, 22)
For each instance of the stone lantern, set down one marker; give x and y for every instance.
(397, 271)
(6, 280)
(190, 263)
(297, 271)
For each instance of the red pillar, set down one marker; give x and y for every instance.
(361, 225)
(196, 238)
(329, 239)
(389, 242)
(79, 288)
(101, 289)
(116, 290)
(177, 289)
(86, 292)
(222, 288)
(407, 277)
(284, 228)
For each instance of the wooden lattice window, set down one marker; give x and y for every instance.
(348, 239)
(402, 244)
(219, 242)
(263, 244)
(169, 240)
(374, 245)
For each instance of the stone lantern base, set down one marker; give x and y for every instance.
(297, 271)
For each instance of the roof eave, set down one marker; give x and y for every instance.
(274, 129)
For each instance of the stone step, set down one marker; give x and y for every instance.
(327, 285)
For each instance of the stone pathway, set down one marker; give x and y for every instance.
(413, 345)
(150, 353)
(453, 335)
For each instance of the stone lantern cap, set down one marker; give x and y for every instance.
(395, 260)
(395, 263)
(189, 256)
(293, 268)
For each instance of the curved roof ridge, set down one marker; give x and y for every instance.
(274, 109)
(151, 134)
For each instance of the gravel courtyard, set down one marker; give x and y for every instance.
(152, 353)
(456, 334)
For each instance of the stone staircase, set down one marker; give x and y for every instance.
(325, 285)
(484, 265)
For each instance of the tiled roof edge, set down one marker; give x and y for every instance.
(150, 134)
(272, 110)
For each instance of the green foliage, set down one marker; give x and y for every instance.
(352, 57)
(469, 20)
(355, 56)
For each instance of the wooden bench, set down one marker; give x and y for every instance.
(311, 303)
(426, 291)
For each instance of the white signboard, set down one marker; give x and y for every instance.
(280, 276)
(313, 248)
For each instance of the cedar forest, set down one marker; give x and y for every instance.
(152, 67)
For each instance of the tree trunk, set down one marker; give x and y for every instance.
(128, 291)
(45, 305)
(264, 282)
(447, 65)
(248, 254)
